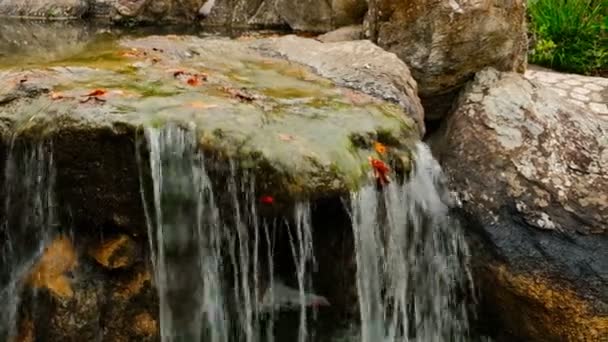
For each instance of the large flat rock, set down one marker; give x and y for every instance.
(305, 134)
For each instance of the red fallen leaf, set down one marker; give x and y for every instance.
(267, 199)
(194, 81)
(381, 171)
(97, 92)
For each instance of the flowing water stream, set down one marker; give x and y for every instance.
(411, 259)
(213, 280)
(28, 221)
(214, 264)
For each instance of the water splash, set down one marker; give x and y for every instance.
(28, 220)
(411, 259)
(213, 264)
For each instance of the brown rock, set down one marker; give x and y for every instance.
(545, 309)
(117, 252)
(348, 12)
(445, 42)
(145, 325)
(50, 271)
(531, 171)
(132, 287)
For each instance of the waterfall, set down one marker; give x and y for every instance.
(213, 264)
(411, 259)
(28, 218)
(185, 239)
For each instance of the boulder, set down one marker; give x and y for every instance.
(59, 9)
(446, 42)
(531, 171)
(309, 15)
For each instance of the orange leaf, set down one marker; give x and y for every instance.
(97, 92)
(380, 148)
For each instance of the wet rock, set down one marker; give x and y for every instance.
(117, 252)
(60, 9)
(531, 171)
(446, 42)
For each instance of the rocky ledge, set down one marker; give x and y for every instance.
(299, 116)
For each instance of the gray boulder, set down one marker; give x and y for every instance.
(531, 171)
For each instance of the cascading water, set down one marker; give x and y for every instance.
(195, 245)
(28, 220)
(411, 259)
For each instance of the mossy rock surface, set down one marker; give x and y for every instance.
(269, 114)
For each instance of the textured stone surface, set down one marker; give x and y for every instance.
(359, 65)
(589, 92)
(57, 9)
(531, 171)
(445, 42)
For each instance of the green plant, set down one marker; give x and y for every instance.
(570, 35)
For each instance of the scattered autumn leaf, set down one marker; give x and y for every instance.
(379, 147)
(194, 81)
(97, 92)
(267, 199)
(381, 171)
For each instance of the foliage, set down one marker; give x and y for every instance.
(570, 35)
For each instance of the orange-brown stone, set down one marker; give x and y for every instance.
(117, 252)
(542, 310)
(50, 271)
(145, 325)
(134, 286)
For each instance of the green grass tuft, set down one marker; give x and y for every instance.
(570, 35)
